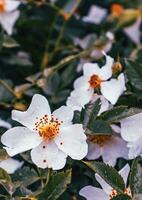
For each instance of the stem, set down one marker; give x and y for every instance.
(45, 58)
(61, 34)
(69, 59)
(8, 88)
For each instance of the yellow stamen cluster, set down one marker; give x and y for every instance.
(47, 127)
(95, 81)
(99, 139)
(2, 5)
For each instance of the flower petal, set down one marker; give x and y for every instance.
(105, 186)
(113, 149)
(8, 19)
(106, 70)
(104, 103)
(135, 148)
(4, 124)
(124, 172)
(94, 151)
(134, 32)
(131, 128)
(81, 83)
(113, 89)
(38, 108)
(48, 155)
(19, 139)
(72, 141)
(11, 5)
(90, 69)
(90, 192)
(79, 98)
(10, 165)
(95, 15)
(65, 114)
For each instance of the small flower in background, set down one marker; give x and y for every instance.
(131, 132)
(96, 15)
(110, 147)
(10, 165)
(52, 137)
(107, 192)
(95, 78)
(9, 14)
(104, 43)
(133, 31)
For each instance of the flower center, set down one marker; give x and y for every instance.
(95, 81)
(2, 5)
(113, 193)
(48, 127)
(117, 9)
(99, 139)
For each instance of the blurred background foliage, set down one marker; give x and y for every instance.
(41, 57)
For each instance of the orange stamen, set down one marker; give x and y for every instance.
(2, 5)
(99, 139)
(117, 9)
(95, 81)
(47, 127)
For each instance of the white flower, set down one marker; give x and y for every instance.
(107, 192)
(110, 147)
(10, 165)
(50, 136)
(131, 132)
(96, 15)
(95, 78)
(133, 31)
(9, 14)
(105, 44)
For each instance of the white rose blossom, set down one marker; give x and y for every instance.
(109, 147)
(95, 78)
(52, 137)
(107, 192)
(131, 132)
(9, 14)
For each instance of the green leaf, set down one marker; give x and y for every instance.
(122, 197)
(9, 42)
(134, 74)
(108, 173)
(136, 177)
(99, 127)
(3, 155)
(91, 112)
(5, 180)
(56, 186)
(118, 113)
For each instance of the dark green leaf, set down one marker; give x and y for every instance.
(136, 177)
(99, 127)
(118, 113)
(108, 173)
(134, 74)
(56, 186)
(122, 197)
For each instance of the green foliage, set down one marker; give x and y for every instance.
(57, 184)
(115, 180)
(136, 177)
